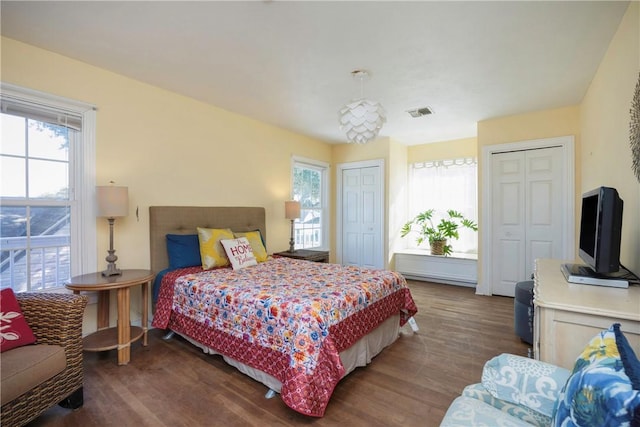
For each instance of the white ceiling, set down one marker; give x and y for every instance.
(290, 63)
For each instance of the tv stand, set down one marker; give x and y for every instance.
(584, 275)
(567, 315)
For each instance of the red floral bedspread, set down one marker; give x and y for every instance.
(286, 317)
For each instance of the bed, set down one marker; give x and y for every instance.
(297, 340)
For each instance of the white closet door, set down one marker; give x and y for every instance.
(508, 222)
(527, 214)
(545, 206)
(361, 221)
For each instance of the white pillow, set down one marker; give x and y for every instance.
(239, 252)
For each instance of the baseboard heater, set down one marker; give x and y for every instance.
(459, 269)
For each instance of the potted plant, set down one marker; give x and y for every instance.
(438, 236)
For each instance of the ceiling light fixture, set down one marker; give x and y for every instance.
(361, 119)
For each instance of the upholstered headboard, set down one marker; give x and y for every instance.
(165, 220)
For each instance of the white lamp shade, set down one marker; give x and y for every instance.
(292, 209)
(361, 120)
(112, 201)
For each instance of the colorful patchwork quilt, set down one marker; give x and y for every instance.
(289, 318)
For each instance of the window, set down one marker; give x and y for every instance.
(444, 185)
(310, 189)
(46, 190)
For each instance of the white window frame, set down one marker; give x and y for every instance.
(82, 181)
(323, 167)
(416, 204)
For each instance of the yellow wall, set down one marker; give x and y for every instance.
(397, 194)
(534, 125)
(168, 149)
(604, 125)
(454, 149)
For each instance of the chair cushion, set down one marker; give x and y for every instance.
(524, 381)
(23, 368)
(599, 391)
(467, 411)
(535, 418)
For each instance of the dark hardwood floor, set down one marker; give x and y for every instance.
(411, 383)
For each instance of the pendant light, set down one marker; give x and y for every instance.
(361, 119)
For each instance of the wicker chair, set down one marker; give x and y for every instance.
(54, 319)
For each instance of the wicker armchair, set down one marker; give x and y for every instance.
(54, 319)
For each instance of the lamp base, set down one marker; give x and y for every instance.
(292, 242)
(111, 257)
(111, 270)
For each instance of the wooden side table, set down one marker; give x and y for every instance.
(120, 337)
(306, 254)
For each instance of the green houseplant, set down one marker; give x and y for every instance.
(438, 235)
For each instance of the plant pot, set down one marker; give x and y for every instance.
(437, 247)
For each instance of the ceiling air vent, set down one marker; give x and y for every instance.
(419, 112)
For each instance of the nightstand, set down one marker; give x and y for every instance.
(307, 255)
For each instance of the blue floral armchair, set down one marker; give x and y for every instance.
(602, 390)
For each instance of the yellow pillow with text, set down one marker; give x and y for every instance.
(255, 240)
(211, 251)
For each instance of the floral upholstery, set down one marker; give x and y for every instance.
(535, 418)
(467, 411)
(525, 382)
(602, 390)
(514, 391)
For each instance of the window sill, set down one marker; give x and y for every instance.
(427, 252)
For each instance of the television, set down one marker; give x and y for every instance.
(601, 230)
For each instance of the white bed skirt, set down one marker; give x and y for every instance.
(359, 354)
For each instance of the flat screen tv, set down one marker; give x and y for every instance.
(601, 230)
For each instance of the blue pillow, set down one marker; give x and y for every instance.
(629, 359)
(183, 250)
(600, 392)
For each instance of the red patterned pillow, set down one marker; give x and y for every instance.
(14, 331)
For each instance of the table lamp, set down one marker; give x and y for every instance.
(292, 212)
(112, 202)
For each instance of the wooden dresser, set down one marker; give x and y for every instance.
(568, 315)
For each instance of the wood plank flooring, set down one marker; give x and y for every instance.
(411, 383)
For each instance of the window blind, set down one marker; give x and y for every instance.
(40, 112)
